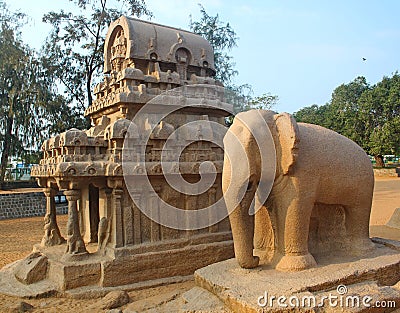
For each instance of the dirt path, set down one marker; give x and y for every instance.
(386, 199)
(19, 235)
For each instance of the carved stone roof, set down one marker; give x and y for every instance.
(150, 41)
(145, 63)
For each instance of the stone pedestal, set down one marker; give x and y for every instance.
(340, 283)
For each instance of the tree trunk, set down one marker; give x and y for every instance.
(6, 148)
(89, 93)
(90, 97)
(379, 160)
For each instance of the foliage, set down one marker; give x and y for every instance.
(242, 99)
(380, 115)
(314, 114)
(369, 115)
(30, 108)
(344, 113)
(223, 38)
(25, 92)
(265, 101)
(74, 48)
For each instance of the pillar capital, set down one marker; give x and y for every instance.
(72, 194)
(117, 192)
(115, 183)
(49, 192)
(107, 190)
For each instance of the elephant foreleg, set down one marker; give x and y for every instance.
(242, 225)
(296, 227)
(264, 235)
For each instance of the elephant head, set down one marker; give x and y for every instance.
(260, 147)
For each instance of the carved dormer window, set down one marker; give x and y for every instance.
(182, 56)
(118, 51)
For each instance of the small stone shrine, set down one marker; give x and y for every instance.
(110, 242)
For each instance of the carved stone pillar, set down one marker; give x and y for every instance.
(52, 235)
(190, 205)
(105, 221)
(75, 244)
(137, 233)
(155, 214)
(117, 218)
(212, 192)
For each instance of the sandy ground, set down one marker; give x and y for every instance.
(19, 235)
(386, 199)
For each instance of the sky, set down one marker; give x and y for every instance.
(298, 50)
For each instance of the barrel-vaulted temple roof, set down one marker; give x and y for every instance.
(151, 41)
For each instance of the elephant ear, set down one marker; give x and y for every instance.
(289, 139)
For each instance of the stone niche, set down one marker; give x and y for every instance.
(110, 242)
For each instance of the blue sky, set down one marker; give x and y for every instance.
(298, 50)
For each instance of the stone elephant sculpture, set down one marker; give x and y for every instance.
(314, 166)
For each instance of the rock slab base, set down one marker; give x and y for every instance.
(376, 275)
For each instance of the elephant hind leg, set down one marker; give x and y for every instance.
(357, 226)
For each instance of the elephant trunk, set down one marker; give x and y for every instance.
(242, 225)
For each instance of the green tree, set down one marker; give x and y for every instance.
(379, 111)
(74, 48)
(26, 93)
(344, 110)
(314, 114)
(265, 101)
(369, 115)
(341, 113)
(223, 39)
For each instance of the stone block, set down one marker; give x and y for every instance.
(183, 261)
(74, 274)
(114, 299)
(394, 219)
(258, 289)
(32, 269)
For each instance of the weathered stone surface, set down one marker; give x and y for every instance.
(200, 300)
(394, 219)
(9, 285)
(114, 311)
(91, 292)
(175, 261)
(52, 235)
(384, 231)
(307, 199)
(32, 269)
(22, 307)
(114, 175)
(75, 274)
(114, 299)
(239, 289)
